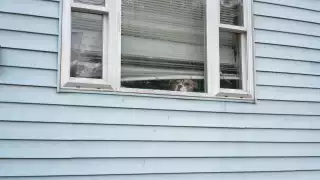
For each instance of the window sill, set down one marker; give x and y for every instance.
(224, 97)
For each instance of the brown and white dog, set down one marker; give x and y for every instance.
(183, 85)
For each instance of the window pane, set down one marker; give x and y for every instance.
(230, 60)
(231, 12)
(92, 2)
(86, 45)
(163, 44)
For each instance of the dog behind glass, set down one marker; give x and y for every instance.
(183, 85)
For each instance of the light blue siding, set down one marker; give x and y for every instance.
(89, 166)
(286, 25)
(36, 59)
(49, 135)
(305, 175)
(287, 66)
(116, 149)
(42, 8)
(28, 41)
(286, 12)
(17, 22)
(286, 52)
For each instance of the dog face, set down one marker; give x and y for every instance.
(184, 85)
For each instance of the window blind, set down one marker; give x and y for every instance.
(161, 39)
(165, 39)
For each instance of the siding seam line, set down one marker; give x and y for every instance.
(147, 125)
(163, 109)
(177, 173)
(284, 18)
(284, 5)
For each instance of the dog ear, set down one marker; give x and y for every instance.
(170, 84)
(195, 84)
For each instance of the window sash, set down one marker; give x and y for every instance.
(246, 53)
(110, 47)
(111, 58)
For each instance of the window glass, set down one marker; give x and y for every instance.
(231, 12)
(92, 2)
(163, 44)
(230, 60)
(86, 45)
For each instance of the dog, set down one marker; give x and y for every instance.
(183, 85)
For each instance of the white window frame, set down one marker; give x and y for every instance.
(247, 69)
(111, 44)
(111, 78)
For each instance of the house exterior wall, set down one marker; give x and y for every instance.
(46, 135)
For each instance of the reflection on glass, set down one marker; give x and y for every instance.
(231, 12)
(86, 45)
(230, 60)
(92, 2)
(163, 45)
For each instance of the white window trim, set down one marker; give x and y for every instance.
(111, 80)
(111, 36)
(246, 50)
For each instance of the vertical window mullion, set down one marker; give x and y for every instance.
(244, 47)
(114, 42)
(244, 61)
(105, 48)
(246, 50)
(245, 14)
(212, 47)
(66, 45)
(249, 46)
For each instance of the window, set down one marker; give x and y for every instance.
(172, 47)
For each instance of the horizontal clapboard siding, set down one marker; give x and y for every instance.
(116, 149)
(285, 25)
(288, 93)
(287, 66)
(16, 22)
(38, 95)
(286, 52)
(28, 59)
(48, 131)
(310, 5)
(287, 39)
(292, 13)
(103, 166)
(29, 41)
(92, 115)
(45, 134)
(100, 115)
(305, 175)
(40, 8)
